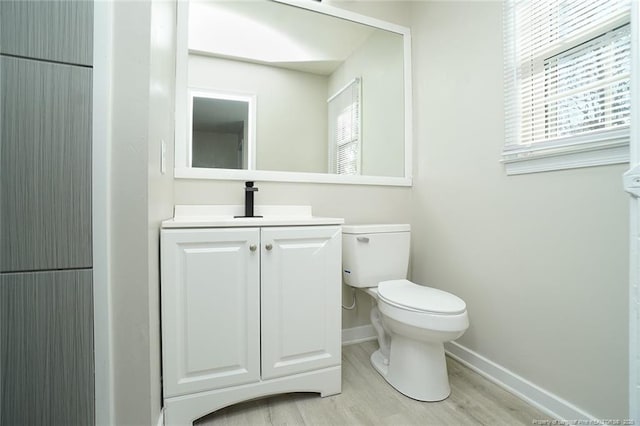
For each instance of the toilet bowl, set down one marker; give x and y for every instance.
(412, 321)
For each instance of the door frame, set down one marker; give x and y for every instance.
(634, 221)
(102, 64)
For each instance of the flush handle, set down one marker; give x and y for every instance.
(268, 246)
(363, 239)
(253, 247)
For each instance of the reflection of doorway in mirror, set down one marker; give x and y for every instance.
(221, 129)
(345, 136)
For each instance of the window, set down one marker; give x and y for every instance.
(344, 130)
(567, 78)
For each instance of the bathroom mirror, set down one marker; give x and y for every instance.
(312, 93)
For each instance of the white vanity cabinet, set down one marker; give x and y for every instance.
(248, 312)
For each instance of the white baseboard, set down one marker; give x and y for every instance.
(360, 334)
(543, 400)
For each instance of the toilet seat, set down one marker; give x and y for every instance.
(404, 294)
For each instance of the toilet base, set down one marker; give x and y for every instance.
(416, 369)
(378, 362)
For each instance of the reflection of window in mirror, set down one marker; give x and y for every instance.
(345, 137)
(222, 130)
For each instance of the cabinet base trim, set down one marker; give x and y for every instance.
(183, 410)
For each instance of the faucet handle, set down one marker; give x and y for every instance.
(248, 187)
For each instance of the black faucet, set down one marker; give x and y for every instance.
(248, 200)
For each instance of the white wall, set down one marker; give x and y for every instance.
(540, 259)
(160, 185)
(128, 272)
(291, 110)
(394, 11)
(140, 196)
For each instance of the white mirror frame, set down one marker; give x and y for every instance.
(182, 153)
(221, 94)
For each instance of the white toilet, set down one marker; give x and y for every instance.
(412, 321)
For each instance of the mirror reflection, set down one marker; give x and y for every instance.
(329, 92)
(221, 132)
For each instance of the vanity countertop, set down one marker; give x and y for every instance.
(222, 216)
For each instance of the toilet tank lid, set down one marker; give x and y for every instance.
(376, 229)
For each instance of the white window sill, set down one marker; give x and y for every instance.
(586, 151)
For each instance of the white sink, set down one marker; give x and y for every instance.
(212, 216)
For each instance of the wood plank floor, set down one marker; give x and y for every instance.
(367, 399)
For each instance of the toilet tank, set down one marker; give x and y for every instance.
(374, 253)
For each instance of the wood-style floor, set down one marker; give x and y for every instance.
(367, 399)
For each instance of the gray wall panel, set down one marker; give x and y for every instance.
(55, 30)
(45, 165)
(46, 348)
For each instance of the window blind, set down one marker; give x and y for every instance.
(567, 73)
(344, 129)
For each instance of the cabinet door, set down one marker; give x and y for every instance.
(210, 309)
(300, 299)
(45, 166)
(46, 348)
(54, 30)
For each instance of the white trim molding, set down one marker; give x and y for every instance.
(363, 333)
(610, 148)
(634, 222)
(543, 400)
(298, 177)
(101, 137)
